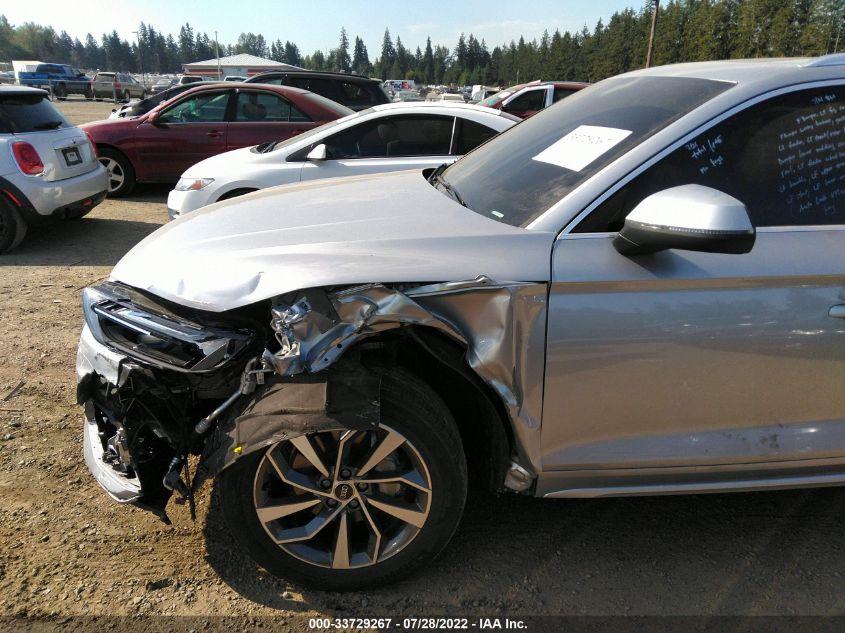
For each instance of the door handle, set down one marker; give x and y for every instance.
(838, 311)
(214, 134)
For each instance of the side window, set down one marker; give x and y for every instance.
(322, 87)
(528, 101)
(265, 106)
(298, 82)
(206, 107)
(470, 135)
(561, 93)
(413, 135)
(783, 158)
(276, 80)
(354, 93)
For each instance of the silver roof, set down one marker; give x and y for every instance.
(17, 90)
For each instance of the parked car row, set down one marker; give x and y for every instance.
(638, 290)
(298, 124)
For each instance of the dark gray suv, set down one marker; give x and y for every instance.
(354, 91)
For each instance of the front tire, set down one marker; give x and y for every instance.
(12, 226)
(389, 498)
(121, 173)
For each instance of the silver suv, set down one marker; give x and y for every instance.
(640, 290)
(48, 167)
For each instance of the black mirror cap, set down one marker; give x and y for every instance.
(637, 238)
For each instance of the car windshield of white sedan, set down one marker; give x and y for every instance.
(520, 174)
(272, 146)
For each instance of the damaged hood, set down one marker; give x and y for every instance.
(381, 228)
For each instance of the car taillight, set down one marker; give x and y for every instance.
(93, 144)
(27, 158)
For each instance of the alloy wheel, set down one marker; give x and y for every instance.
(343, 498)
(116, 174)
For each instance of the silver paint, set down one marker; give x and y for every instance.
(692, 207)
(385, 228)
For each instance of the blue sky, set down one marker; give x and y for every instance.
(315, 24)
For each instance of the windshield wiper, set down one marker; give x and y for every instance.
(47, 125)
(265, 147)
(449, 188)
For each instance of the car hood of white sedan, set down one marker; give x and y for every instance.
(381, 228)
(225, 163)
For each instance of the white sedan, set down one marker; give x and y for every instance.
(389, 137)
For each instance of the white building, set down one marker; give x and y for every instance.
(242, 65)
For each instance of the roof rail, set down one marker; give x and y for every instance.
(834, 59)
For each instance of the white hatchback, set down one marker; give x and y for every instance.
(384, 138)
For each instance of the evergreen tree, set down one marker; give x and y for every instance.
(292, 55)
(428, 63)
(187, 47)
(342, 61)
(360, 59)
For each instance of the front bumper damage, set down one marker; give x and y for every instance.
(149, 418)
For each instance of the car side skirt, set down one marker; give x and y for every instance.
(630, 482)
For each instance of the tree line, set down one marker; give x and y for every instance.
(687, 30)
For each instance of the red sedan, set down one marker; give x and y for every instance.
(523, 100)
(160, 145)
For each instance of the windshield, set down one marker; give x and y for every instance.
(499, 96)
(295, 140)
(21, 113)
(517, 176)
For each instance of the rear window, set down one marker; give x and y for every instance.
(24, 113)
(334, 106)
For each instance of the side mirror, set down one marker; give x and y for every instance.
(689, 217)
(153, 119)
(318, 153)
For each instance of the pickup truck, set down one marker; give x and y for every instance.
(64, 80)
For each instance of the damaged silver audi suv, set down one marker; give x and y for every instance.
(639, 290)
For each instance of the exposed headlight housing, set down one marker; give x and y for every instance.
(193, 184)
(123, 319)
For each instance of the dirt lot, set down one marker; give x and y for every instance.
(66, 550)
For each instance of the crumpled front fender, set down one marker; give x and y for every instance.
(501, 326)
(284, 409)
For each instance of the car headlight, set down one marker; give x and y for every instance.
(123, 319)
(193, 184)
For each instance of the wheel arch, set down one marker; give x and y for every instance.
(479, 413)
(114, 148)
(234, 193)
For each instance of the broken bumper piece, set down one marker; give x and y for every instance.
(94, 359)
(119, 486)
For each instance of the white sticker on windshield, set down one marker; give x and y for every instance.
(581, 146)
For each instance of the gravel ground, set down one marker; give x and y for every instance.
(66, 550)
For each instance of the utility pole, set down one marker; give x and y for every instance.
(651, 35)
(141, 58)
(217, 52)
